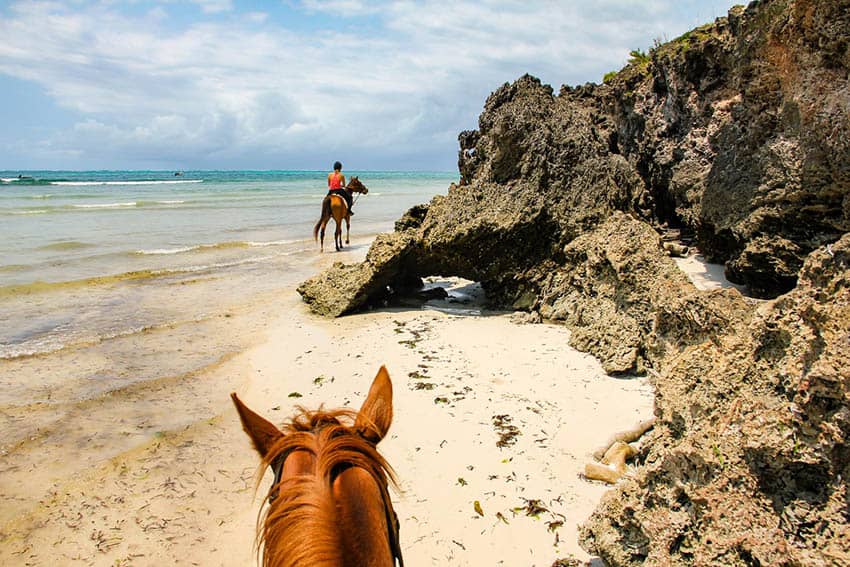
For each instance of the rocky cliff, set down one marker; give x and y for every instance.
(749, 459)
(737, 133)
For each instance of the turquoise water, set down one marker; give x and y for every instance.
(89, 256)
(127, 297)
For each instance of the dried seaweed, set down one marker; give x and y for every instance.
(506, 431)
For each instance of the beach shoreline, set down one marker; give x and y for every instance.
(513, 414)
(187, 494)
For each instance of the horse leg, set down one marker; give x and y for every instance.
(347, 227)
(322, 237)
(338, 236)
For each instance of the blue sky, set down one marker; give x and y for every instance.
(289, 84)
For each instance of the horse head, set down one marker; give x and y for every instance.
(356, 186)
(329, 503)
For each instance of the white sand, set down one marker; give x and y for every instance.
(187, 497)
(704, 275)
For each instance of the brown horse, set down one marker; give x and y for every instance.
(336, 207)
(329, 504)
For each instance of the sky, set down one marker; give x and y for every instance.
(289, 84)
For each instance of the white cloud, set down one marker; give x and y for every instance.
(256, 17)
(402, 79)
(342, 7)
(214, 6)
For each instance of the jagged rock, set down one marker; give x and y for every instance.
(765, 264)
(346, 287)
(551, 146)
(601, 291)
(752, 441)
(526, 318)
(625, 300)
(736, 132)
(736, 129)
(412, 218)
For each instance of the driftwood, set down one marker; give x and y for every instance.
(613, 464)
(676, 250)
(628, 436)
(615, 453)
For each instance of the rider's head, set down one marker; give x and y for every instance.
(337, 166)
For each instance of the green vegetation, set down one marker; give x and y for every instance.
(719, 455)
(687, 40)
(638, 57)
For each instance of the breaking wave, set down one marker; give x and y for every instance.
(149, 182)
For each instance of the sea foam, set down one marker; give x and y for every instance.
(216, 246)
(151, 182)
(105, 205)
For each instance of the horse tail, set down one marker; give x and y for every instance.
(326, 212)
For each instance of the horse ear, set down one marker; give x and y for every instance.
(262, 432)
(375, 416)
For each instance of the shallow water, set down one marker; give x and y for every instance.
(86, 256)
(121, 291)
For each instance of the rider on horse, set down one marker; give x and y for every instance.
(336, 186)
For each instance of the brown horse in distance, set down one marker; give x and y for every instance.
(336, 207)
(329, 505)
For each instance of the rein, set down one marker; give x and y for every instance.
(277, 469)
(355, 195)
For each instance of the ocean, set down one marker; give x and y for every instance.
(85, 256)
(118, 287)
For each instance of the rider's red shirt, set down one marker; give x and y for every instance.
(335, 181)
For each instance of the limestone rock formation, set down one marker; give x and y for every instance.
(752, 441)
(737, 132)
(344, 287)
(741, 132)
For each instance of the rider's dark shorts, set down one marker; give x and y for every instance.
(342, 193)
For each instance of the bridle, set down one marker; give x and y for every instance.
(362, 191)
(277, 468)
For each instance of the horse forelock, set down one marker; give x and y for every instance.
(301, 526)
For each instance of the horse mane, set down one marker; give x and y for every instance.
(300, 528)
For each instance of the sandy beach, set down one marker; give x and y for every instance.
(487, 410)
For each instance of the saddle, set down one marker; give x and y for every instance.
(347, 198)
